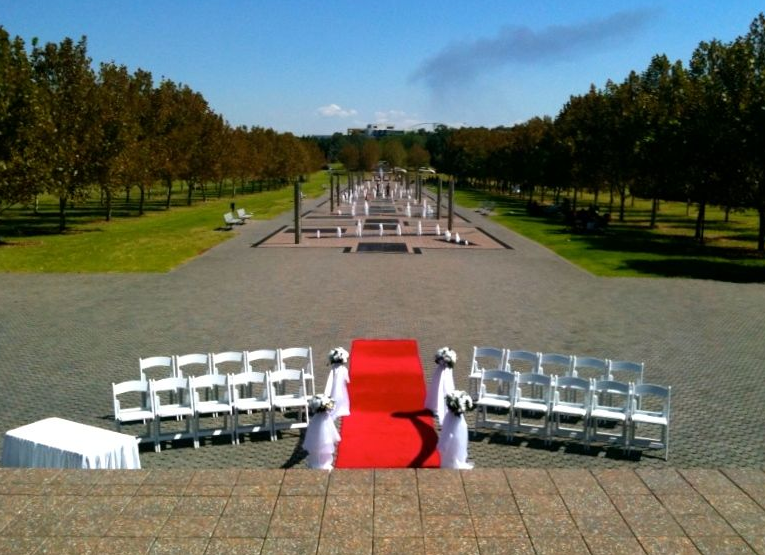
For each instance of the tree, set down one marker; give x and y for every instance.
(394, 153)
(119, 127)
(21, 119)
(68, 88)
(755, 124)
(417, 157)
(370, 155)
(349, 157)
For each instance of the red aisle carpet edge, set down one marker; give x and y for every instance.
(388, 426)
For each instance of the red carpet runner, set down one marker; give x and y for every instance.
(388, 426)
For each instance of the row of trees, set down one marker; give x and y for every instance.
(361, 153)
(675, 132)
(66, 129)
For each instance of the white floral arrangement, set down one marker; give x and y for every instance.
(446, 356)
(338, 355)
(459, 402)
(320, 403)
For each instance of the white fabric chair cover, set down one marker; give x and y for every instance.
(337, 389)
(452, 444)
(441, 384)
(320, 440)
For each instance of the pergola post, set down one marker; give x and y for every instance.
(298, 202)
(451, 203)
(332, 193)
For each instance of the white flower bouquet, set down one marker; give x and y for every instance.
(446, 356)
(320, 403)
(459, 402)
(338, 355)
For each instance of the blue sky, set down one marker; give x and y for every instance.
(317, 67)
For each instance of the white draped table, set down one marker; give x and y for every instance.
(58, 443)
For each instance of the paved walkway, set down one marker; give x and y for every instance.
(65, 338)
(403, 512)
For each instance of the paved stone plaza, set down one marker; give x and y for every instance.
(65, 338)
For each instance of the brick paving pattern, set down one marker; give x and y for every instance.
(65, 338)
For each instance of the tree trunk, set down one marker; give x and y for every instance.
(108, 205)
(190, 186)
(761, 230)
(622, 202)
(727, 214)
(654, 209)
(140, 201)
(61, 214)
(127, 195)
(169, 181)
(700, 222)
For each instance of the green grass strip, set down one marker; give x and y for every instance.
(156, 242)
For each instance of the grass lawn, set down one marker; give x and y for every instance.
(158, 241)
(632, 249)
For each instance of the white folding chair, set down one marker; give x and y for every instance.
(650, 407)
(521, 361)
(589, 368)
(227, 362)
(261, 360)
(299, 358)
(532, 396)
(242, 214)
(570, 400)
(288, 395)
(217, 402)
(140, 408)
(484, 358)
(554, 364)
(193, 364)
(610, 402)
(251, 393)
(495, 396)
(179, 409)
(626, 371)
(156, 368)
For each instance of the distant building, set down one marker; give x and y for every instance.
(376, 130)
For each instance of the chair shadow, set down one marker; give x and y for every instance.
(426, 432)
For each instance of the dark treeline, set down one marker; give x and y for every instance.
(693, 133)
(69, 130)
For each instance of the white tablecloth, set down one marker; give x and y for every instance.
(59, 443)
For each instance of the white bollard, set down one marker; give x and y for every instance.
(438, 230)
(419, 228)
(339, 232)
(381, 230)
(398, 230)
(318, 234)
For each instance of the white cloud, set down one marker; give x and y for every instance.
(335, 111)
